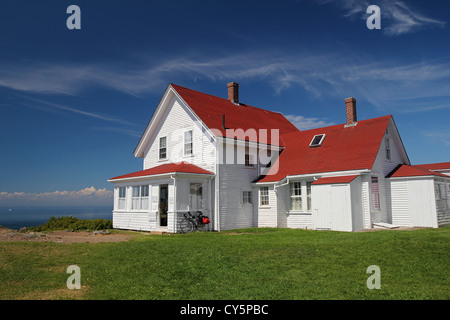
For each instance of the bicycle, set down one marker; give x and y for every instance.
(191, 222)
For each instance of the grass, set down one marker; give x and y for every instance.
(241, 264)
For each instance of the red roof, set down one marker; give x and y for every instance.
(434, 166)
(333, 180)
(211, 109)
(180, 167)
(344, 148)
(419, 170)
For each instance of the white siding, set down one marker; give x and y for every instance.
(413, 202)
(400, 204)
(331, 205)
(443, 204)
(176, 120)
(381, 168)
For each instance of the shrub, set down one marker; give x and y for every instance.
(73, 224)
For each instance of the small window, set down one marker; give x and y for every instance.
(249, 160)
(317, 140)
(308, 194)
(375, 194)
(163, 148)
(443, 191)
(188, 143)
(296, 196)
(247, 197)
(388, 149)
(122, 198)
(264, 196)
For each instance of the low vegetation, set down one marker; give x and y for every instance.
(266, 264)
(73, 224)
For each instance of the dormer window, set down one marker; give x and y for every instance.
(317, 140)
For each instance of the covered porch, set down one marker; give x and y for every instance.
(155, 199)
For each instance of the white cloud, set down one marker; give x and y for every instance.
(88, 194)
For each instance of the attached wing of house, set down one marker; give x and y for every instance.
(248, 167)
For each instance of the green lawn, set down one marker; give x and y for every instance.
(243, 264)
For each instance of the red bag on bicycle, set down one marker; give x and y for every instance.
(205, 220)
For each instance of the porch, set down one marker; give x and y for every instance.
(154, 202)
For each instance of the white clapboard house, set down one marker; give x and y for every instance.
(244, 166)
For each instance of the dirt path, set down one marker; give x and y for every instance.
(64, 236)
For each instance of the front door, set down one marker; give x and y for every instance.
(163, 204)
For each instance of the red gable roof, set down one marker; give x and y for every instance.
(344, 148)
(333, 180)
(211, 109)
(419, 170)
(180, 167)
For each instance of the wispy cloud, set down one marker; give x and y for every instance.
(304, 123)
(397, 17)
(89, 194)
(50, 106)
(384, 83)
(442, 135)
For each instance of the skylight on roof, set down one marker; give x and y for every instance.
(317, 140)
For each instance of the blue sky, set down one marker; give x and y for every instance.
(73, 103)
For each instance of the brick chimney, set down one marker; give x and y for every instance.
(233, 92)
(350, 106)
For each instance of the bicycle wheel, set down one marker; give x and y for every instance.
(186, 225)
(200, 226)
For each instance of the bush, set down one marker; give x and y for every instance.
(73, 224)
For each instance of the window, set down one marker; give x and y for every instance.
(308, 195)
(442, 191)
(195, 196)
(163, 148)
(317, 140)
(188, 143)
(388, 149)
(140, 198)
(247, 197)
(248, 160)
(375, 194)
(144, 197)
(264, 196)
(122, 198)
(296, 196)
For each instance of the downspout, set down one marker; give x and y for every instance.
(174, 203)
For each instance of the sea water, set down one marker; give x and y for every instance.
(18, 217)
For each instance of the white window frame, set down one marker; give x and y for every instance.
(139, 201)
(160, 148)
(190, 143)
(264, 200)
(311, 145)
(293, 197)
(122, 198)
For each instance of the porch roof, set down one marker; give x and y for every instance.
(404, 170)
(333, 180)
(168, 168)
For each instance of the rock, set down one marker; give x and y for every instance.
(23, 230)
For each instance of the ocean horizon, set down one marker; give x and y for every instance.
(32, 216)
